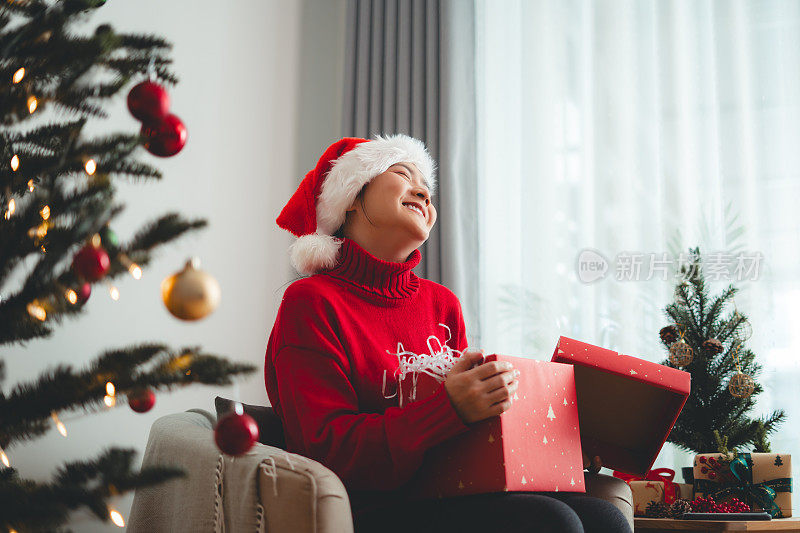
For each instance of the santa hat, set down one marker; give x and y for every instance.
(319, 206)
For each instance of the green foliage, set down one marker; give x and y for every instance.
(712, 418)
(71, 74)
(34, 506)
(760, 443)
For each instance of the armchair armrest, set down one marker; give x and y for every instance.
(613, 490)
(266, 489)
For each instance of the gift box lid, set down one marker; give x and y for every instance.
(626, 406)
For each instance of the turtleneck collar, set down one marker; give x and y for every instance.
(382, 278)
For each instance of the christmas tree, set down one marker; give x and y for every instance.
(707, 339)
(57, 203)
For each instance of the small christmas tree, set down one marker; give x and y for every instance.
(57, 200)
(709, 344)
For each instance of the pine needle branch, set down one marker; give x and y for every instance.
(28, 505)
(25, 412)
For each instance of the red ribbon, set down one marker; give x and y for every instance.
(665, 475)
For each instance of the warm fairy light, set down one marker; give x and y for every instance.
(37, 311)
(19, 74)
(91, 166)
(116, 518)
(45, 212)
(12, 206)
(32, 103)
(135, 270)
(31, 185)
(96, 240)
(44, 250)
(4, 458)
(41, 231)
(15, 162)
(110, 398)
(59, 424)
(114, 292)
(71, 296)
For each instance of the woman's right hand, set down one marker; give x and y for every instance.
(480, 390)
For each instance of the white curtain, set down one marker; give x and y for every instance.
(639, 129)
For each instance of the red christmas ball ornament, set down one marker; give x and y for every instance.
(142, 401)
(236, 433)
(165, 137)
(148, 102)
(84, 292)
(91, 263)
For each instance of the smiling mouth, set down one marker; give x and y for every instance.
(416, 210)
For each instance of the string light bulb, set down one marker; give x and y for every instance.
(96, 240)
(110, 398)
(71, 296)
(31, 185)
(18, 75)
(90, 167)
(59, 424)
(37, 311)
(133, 268)
(45, 212)
(116, 518)
(15, 162)
(4, 458)
(113, 292)
(12, 207)
(32, 103)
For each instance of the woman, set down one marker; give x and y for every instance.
(360, 217)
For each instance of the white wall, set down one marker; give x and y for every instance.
(260, 93)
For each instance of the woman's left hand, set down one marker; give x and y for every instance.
(594, 465)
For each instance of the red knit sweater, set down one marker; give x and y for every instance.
(325, 365)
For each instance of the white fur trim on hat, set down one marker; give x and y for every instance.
(313, 252)
(355, 168)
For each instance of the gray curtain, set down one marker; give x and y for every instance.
(410, 68)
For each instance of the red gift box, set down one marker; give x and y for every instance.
(627, 406)
(532, 446)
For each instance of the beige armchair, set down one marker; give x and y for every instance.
(267, 489)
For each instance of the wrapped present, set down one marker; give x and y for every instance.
(761, 480)
(627, 406)
(657, 486)
(532, 446)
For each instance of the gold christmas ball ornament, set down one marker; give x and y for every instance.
(744, 330)
(741, 385)
(680, 353)
(191, 294)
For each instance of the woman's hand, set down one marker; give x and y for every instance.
(595, 465)
(480, 390)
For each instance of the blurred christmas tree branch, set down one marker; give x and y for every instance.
(57, 200)
(25, 412)
(34, 506)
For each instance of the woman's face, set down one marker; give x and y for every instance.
(384, 199)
